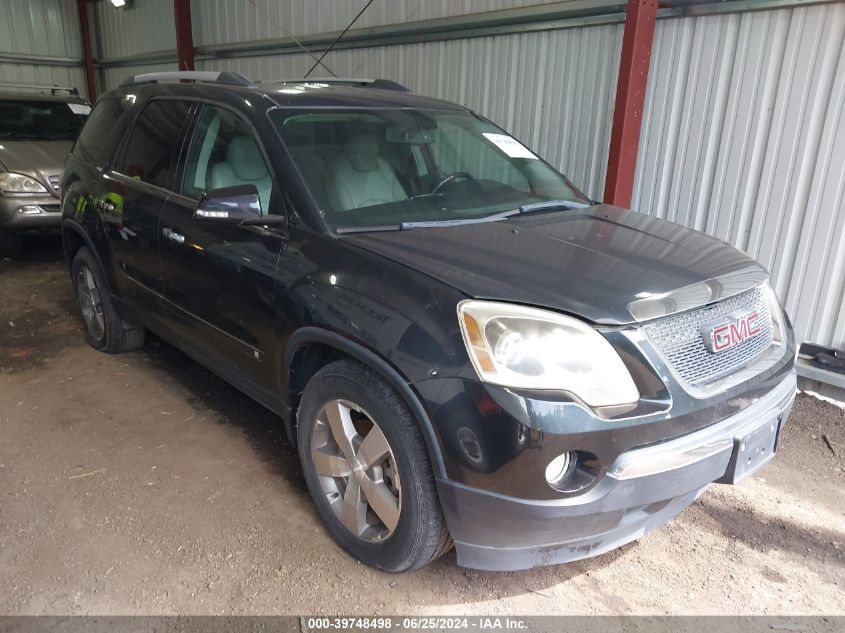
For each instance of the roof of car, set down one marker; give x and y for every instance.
(319, 94)
(298, 93)
(40, 96)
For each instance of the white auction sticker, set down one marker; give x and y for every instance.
(79, 108)
(509, 145)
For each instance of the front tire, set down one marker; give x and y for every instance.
(104, 329)
(367, 468)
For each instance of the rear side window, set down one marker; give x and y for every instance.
(101, 132)
(152, 149)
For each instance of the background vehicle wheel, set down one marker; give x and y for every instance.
(11, 244)
(104, 329)
(366, 465)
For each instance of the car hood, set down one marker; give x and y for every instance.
(38, 158)
(593, 263)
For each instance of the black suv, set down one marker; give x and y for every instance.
(463, 347)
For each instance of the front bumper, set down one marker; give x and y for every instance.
(23, 213)
(644, 488)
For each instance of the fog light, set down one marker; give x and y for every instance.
(559, 468)
(573, 472)
(30, 209)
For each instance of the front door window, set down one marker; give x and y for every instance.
(224, 153)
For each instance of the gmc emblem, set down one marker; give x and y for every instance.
(721, 336)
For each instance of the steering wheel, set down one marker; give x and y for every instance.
(454, 177)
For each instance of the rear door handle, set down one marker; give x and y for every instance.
(172, 235)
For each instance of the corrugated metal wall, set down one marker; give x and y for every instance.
(47, 28)
(224, 21)
(142, 27)
(744, 137)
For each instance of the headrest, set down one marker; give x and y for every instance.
(245, 158)
(361, 150)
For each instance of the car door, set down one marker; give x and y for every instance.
(218, 278)
(133, 197)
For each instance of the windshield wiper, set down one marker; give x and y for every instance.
(15, 135)
(345, 230)
(546, 205)
(406, 226)
(428, 224)
(410, 226)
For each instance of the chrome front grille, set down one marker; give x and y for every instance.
(680, 341)
(54, 182)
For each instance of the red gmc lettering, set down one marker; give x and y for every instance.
(730, 334)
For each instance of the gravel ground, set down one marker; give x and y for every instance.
(142, 484)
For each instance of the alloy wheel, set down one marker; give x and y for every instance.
(357, 470)
(90, 303)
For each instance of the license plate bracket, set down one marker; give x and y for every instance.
(752, 450)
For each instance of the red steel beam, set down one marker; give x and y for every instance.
(630, 97)
(82, 6)
(184, 34)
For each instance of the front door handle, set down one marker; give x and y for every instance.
(172, 235)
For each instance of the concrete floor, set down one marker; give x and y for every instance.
(143, 484)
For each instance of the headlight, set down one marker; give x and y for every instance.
(19, 183)
(776, 312)
(528, 348)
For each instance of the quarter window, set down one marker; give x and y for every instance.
(224, 153)
(151, 152)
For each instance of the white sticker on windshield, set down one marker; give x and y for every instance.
(79, 108)
(509, 145)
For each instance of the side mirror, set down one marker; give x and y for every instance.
(233, 205)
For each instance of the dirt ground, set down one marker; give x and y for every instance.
(142, 484)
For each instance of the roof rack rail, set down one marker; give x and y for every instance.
(200, 76)
(42, 88)
(379, 84)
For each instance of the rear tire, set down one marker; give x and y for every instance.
(104, 329)
(401, 526)
(11, 244)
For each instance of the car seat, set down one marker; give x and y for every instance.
(362, 178)
(244, 165)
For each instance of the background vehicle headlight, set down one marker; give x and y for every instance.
(19, 183)
(529, 348)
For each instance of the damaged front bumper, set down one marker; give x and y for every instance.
(643, 489)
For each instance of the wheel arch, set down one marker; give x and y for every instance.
(74, 237)
(331, 346)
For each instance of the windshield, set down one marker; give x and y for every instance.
(392, 167)
(41, 120)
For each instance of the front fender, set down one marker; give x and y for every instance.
(310, 334)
